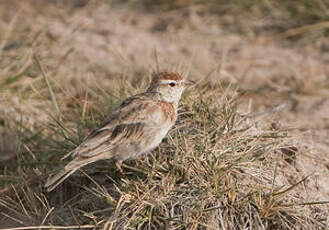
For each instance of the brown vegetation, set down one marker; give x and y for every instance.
(250, 149)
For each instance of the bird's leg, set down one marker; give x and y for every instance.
(118, 165)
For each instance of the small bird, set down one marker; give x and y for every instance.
(137, 126)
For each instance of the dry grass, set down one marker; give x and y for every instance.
(243, 154)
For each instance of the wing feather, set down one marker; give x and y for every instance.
(124, 125)
(120, 134)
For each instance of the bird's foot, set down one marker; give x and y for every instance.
(118, 165)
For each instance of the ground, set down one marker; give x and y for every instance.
(250, 147)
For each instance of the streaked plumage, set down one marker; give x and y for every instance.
(137, 126)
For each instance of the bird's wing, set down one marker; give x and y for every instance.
(124, 126)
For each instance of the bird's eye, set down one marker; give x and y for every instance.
(172, 84)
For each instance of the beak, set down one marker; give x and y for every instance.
(188, 82)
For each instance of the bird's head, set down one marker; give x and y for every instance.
(169, 85)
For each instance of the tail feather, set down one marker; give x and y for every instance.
(58, 178)
(54, 180)
(72, 153)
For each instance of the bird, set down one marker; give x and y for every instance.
(135, 127)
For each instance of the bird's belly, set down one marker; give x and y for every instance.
(155, 140)
(150, 141)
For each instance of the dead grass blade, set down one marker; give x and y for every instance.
(51, 92)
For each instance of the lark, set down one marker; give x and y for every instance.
(137, 126)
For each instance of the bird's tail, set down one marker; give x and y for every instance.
(54, 180)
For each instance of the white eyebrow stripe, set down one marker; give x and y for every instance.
(168, 81)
